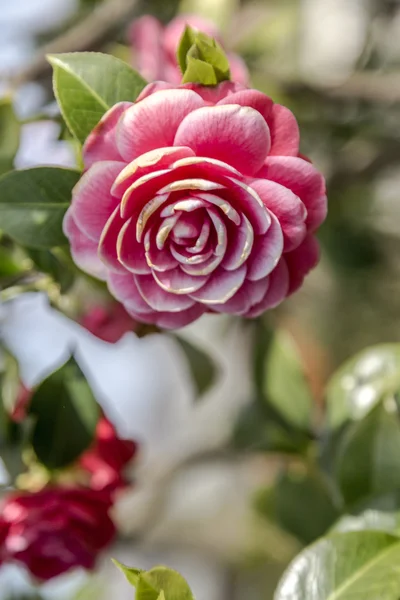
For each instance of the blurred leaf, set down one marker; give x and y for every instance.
(362, 382)
(202, 366)
(9, 135)
(161, 579)
(131, 574)
(48, 261)
(9, 268)
(260, 429)
(66, 415)
(285, 384)
(368, 521)
(87, 84)
(33, 203)
(343, 566)
(369, 458)
(301, 503)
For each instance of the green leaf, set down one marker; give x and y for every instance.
(285, 384)
(362, 382)
(66, 417)
(33, 203)
(201, 59)
(301, 503)
(131, 574)
(202, 367)
(345, 566)
(9, 135)
(369, 458)
(52, 263)
(161, 579)
(370, 520)
(87, 84)
(9, 268)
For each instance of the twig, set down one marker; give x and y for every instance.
(88, 34)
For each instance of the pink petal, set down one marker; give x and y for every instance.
(153, 122)
(101, 143)
(130, 252)
(212, 95)
(146, 36)
(285, 134)
(108, 242)
(176, 281)
(287, 207)
(304, 180)
(149, 162)
(209, 265)
(158, 298)
(124, 289)
(143, 190)
(276, 292)
(83, 250)
(221, 286)
(222, 204)
(250, 294)
(92, 202)
(246, 199)
(170, 320)
(152, 88)
(253, 98)
(301, 261)
(240, 244)
(239, 70)
(267, 250)
(234, 134)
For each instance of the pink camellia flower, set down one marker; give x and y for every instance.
(109, 323)
(107, 458)
(56, 529)
(155, 47)
(195, 199)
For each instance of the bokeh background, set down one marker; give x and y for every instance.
(335, 63)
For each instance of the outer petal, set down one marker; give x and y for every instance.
(146, 36)
(154, 87)
(239, 70)
(252, 98)
(276, 292)
(287, 207)
(108, 242)
(131, 252)
(124, 289)
(92, 202)
(171, 320)
(159, 299)
(304, 180)
(234, 134)
(221, 286)
(285, 134)
(178, 282)
(267, 251)
(153, 122)
(250, 294)
(212, 95)
(83, 250)
(101, 143)
(301, 261)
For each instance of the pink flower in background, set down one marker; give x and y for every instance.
(195, 199)
(154, 47)
(56, 529)
(109, 323)
(107, 458)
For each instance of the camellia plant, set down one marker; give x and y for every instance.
(193, 197)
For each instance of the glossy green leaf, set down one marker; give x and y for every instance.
(202, 366)
(302, 503)
(33, 203)
(66, 415)
(9, 135)
(131, 574)
(370, 520)
(360, 565)
(87, 84)
(161, 579)
(362, 382)
(285, 384)
(369, 458)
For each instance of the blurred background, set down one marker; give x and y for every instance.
(214, 483)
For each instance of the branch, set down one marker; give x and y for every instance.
(88, 34)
